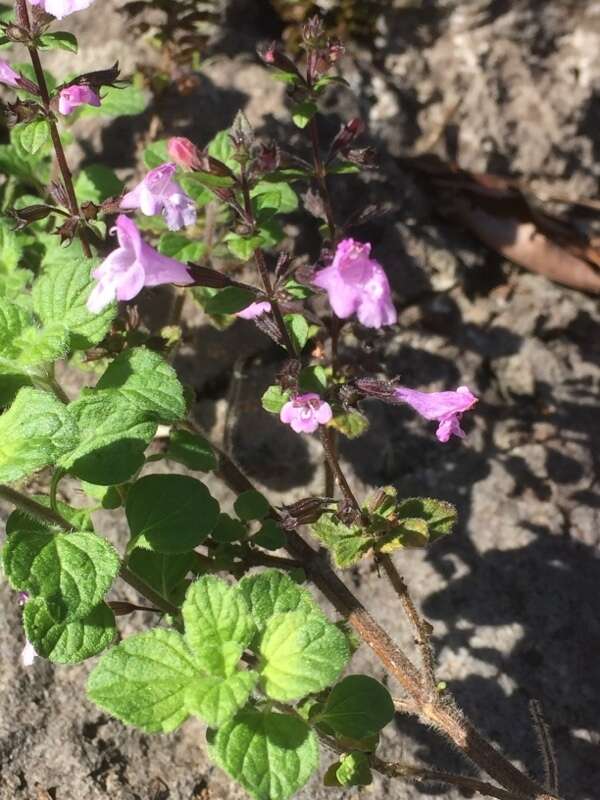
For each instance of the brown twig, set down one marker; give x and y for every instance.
(546, 747)
(418, 623)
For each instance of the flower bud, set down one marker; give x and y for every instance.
(183, 152)
(382, 390)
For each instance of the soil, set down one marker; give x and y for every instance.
(513, 594)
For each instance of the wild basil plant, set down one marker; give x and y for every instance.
(238, 638)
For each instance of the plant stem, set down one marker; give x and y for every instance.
(419, 624)
(321, 176)
(334, 464)
(23, 20)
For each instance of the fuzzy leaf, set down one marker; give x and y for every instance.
(298, 328)
(35, 431)
(270, 536)
(300, 654)
(143, 680)
(170, 513)
(71, 571)
(352, 424)
(218, 624)
(439, 515)
(358, 707)
(60, 40)
(271, 755)
(68, 642)
(251, 505)
(273, 592)
(348, 544)
(215, 700)
(274, 399)
(60, 295)
(165, 573)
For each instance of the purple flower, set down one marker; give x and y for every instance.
(254, 310)
(71, 97)
(446, 407)
(306, 412)
(357, 284)
(61, 8)
(8, 74)
(133, 265)
(158, 193)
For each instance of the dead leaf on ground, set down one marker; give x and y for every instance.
(507, 217)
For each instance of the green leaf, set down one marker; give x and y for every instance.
(114, 436)
(60, 295)
(439, 515)
(221, 148)
(313, 379)
(218, 624)
(71, 571)
(229, 301)
(108, 496)
(358, 707)
(31, 136)
(274, 399)
(19, 520)
(177, 246)
(271, 755)
(147, 382)
(228, 530)
(35, 431)
(352, 424)
(298, 328)
(11, 249)
(242, 247)
(14, 320)
(251, 505)
(118, 102)
(286, 198)
(165, 573)
(300, 654)
(270, 536)
(61, 40)
(302, 113)
(343, 168)
(96, 183)
(271, 593)
(68, 642)
(352, 770)
(215, 700)
(170, 513)
(192, 450)
(143, 680)
(41, 345)
(348, 544)
(156, 154)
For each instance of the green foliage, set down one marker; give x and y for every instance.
(300, 654)
(59, 40)
(180, 247)
(228, 530)
(31, 137)
(170, 513)
(251, 505)
(164, 572)
(95, 183)
(271, 755)
(299, 330)
(313, 379)
(270, 536)
(72, 572)
(156, 154)
(218, 625)
(415, 522)
(229, 300)
(351, 423)
(351, 770)
(192, 450)
(118, 102)
(35, 431)
(272, 593)
(60, 295)
(302, 113)
(274, 399)
(68, 641)
(358, 707)
(216, 700)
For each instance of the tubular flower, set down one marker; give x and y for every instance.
(357, 284)
(62, 8)
(158, 193)
(71, 97)
(306, 412)
(445, 407)
(254, 310)
(8, 74)
(133, 265)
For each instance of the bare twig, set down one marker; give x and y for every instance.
(546, 747)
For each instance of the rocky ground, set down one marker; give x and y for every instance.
(513, 594)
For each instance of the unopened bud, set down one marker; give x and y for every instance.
(183, 152)
(273, 57)
(382, 390)
(303, 512)
(346, 135)
(25, 216)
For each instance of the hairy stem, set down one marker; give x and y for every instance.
(418, 623)
(334, 464)
(23, 19)
(321, 177)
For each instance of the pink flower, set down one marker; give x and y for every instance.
(446, 407)
(158, 193)
(71, 97)
(61, 8)
(133, 265)
(183, 152)
(254, 310)
(306, 412)
(8, 74)
(357, 284)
